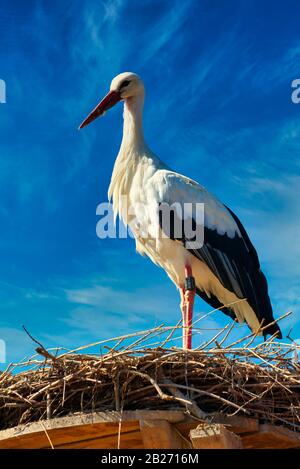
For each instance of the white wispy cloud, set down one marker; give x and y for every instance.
(277, 70)
(141, 300)
(159, 35)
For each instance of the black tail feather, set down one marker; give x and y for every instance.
(215, 303)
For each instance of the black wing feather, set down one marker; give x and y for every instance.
(213, 301)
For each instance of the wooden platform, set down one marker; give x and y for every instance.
(170, 429)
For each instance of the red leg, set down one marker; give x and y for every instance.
(184, 315)
(190, 299)
(190, 291)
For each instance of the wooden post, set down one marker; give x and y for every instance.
(159, 434)
(214, 436)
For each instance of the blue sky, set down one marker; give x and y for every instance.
(218, 109)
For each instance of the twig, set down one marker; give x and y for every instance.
(192, 406)
(47, 434)
(41, 349)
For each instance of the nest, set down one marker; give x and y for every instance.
(261, 381)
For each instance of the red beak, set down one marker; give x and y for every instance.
(107, 102)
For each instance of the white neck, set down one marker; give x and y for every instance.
(132, 148)
(133, 137)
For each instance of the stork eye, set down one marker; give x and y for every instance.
(125, 83)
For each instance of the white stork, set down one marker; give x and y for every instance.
(225, 268)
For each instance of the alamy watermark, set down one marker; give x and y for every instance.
(180, 221)
(2, 92)
(295, 96)
(2, 351)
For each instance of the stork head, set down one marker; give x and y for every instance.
(124, 86)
